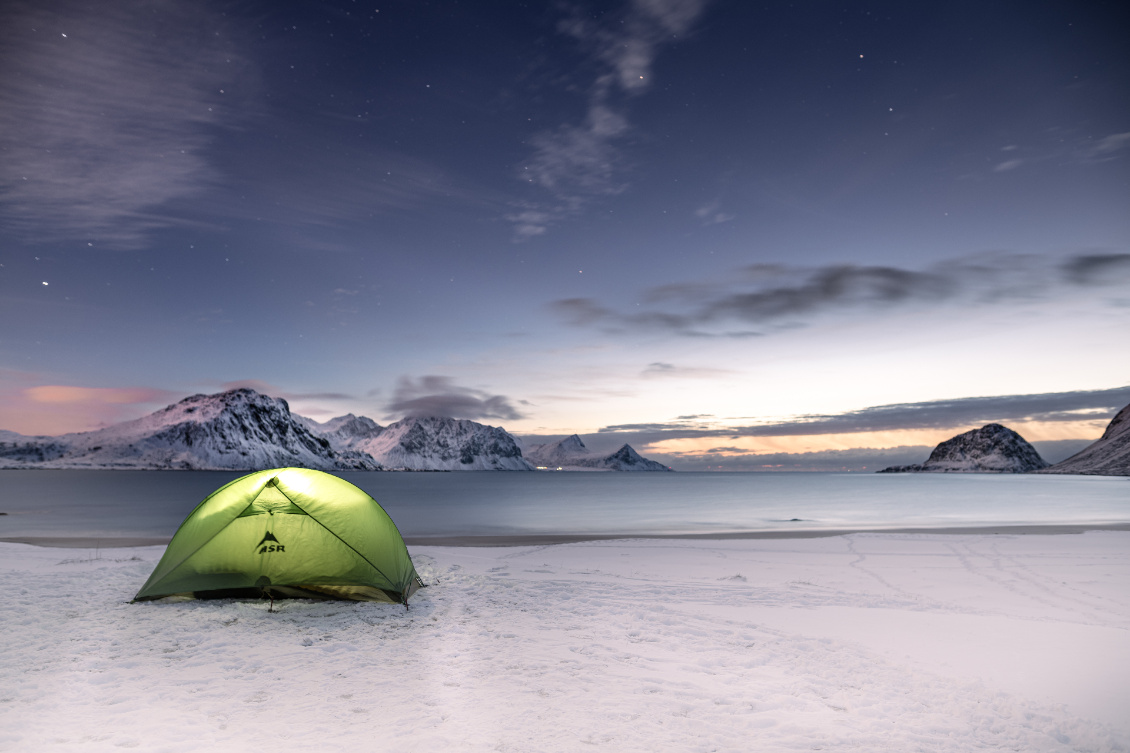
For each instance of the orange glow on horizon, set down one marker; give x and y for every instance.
(52, 409)
(1036, 431)
(58, 393)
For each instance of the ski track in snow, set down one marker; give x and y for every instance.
(868, 642)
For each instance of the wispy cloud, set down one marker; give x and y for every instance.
(439, 396)
(106, 113)
(273, 390)
(1060, 148)
(1109, 146)
(1007, 165)
(772, 296)
(711, 214)
(660, 370)
(578, 162)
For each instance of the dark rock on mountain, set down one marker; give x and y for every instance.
(1109, 456)
(627, 459)
(244, 430)
(444, 444)
(991, 449)
(344, 432)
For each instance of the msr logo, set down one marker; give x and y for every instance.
(264, 546)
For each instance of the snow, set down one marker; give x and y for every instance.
(991, 449)
(570, 454)
(238, 429)
(866, 642)
(444, 444)
(1109, 456)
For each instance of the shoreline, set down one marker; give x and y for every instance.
(550, 539)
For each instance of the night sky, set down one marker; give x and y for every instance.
(726, 232)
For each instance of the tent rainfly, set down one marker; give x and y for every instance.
(286, 532)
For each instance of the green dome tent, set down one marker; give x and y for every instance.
(286, 532)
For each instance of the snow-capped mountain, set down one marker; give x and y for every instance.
(991, 449)
(443, 444)
(244, 430)
(236, 430)
(556, 454)
(571, 454)
(344, 432)
(1109, 456)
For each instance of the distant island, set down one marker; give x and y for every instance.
(991, 449)
(997, 449)
(243, 429)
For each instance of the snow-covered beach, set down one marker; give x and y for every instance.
(868, 642)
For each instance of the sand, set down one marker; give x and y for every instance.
(861, 642)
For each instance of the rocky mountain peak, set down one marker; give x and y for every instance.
(1108, 456)
(240, 429)
(991, 449)
(570, 453)
(1119, 425)
(347, 429)
(445, 443)
(572, 442)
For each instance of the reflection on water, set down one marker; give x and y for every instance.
(153, 503)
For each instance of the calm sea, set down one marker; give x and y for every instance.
(153, 503)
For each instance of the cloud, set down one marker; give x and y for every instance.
(776, 297)
(57, 394)
(837, 286)
(106, 114)
(530, 222)
(710, 214)
(1059, 148)
(51, 409)
(1097, 269)
(863, 459)
(945, 414)
(659, 370)
(1111, 144)
(857, 459)
(937, 414)
(578, 162)
(318, 405)
(267, 388)
(440, 396)
(1007, 165)
(582, 311)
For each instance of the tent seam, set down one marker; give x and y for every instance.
(217, 533)
(334, 533)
